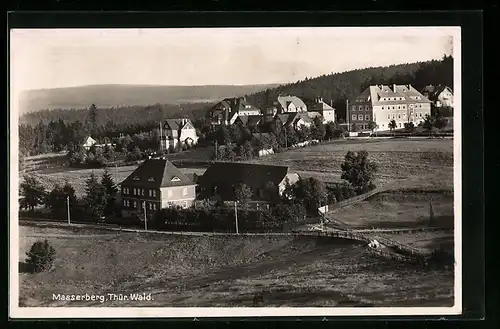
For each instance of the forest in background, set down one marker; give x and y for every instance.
(56, 130)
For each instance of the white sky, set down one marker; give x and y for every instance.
(63, 58)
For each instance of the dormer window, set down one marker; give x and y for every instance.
(175, 179)
(136, 178)
(151, 179)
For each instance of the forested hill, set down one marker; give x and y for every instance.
(105, 96)
(338, 87)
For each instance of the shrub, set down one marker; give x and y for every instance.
(41, 256)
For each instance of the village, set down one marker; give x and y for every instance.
(330, 189)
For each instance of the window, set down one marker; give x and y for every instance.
(399, 116)
(154, 193)
(382, 125)
(150, 206)
(393, 107)
(135, 204)
(382, 107)
(125, 203)
(360, 117)
(367, 117)
(354, 116)
(134, 191)
(394, 116)
(184, 191)
(154, 206)
(142, 191)
(150, 193)
(400, 125)
(151, 179)
(388, 117)
(175, 179)
(399, 107)
(354, 107)
(136, 178)
(404, 107)
(361, 107)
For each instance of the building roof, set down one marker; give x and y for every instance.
(250, 119)
(387, 95)
(156, 173)
(177, 124)
(321, 106)
(432, 92)
(261, 135)
(227, 175)
(284, 101)
(89, 141)
(313, 115)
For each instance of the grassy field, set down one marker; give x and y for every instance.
(421, 161)
(399, 210)
(199, 271)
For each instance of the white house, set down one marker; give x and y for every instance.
(178, 132)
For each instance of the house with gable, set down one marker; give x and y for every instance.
(296, 119)
(290, 104)
(326, 111)
(88, 143)
(440, 95)
(154, 185)
(178, 132)
(221, 179)
(229, 109)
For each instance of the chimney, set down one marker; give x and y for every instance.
(394, 87)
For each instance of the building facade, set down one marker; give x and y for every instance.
(289, 104)
(227, 111)
(382, 104)
(178, 132)
(440, 96)
(325, 110)
(154, 185)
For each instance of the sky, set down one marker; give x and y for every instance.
(56, 58)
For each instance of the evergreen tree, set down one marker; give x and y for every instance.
(33, 193)
(95, 196)
(110, 191)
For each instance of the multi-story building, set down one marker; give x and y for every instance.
(325, 110)
(226, 111)
(154, 185)
(382, 104)
(289, 104)
(441, 96)
(178, 132)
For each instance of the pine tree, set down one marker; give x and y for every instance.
(95, 198)
(110, 191)
(33, 193)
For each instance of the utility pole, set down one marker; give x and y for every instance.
(145, 218)
(286, 138)
(236, 215)
(67, 203)
(161, 140)
(216, 151)
(347, 115)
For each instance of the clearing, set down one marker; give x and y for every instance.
(210, 271)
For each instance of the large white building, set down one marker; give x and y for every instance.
(382, 104)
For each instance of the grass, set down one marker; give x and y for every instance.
(198, 271)
(422, 161)
(399, 210)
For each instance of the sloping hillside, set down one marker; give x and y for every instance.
(126, 95)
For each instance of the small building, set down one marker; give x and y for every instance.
(178, 132)
(440, 95)
(323, 109)
(221, 179)
(229, 109)
(88, 143)
(290, 104)
(156, 184)
(295, 119)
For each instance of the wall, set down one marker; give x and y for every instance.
(177, 196)
(360, 108)
(401, 113)
(328, 116)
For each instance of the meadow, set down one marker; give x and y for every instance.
(210, 271)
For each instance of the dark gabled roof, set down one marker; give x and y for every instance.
(284, 101)
(250, 119)
(261, 135)
(227, 175)
(176, 124)
(156, 173)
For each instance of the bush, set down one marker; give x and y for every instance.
(41, 256)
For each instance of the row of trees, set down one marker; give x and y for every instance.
(99, 200)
